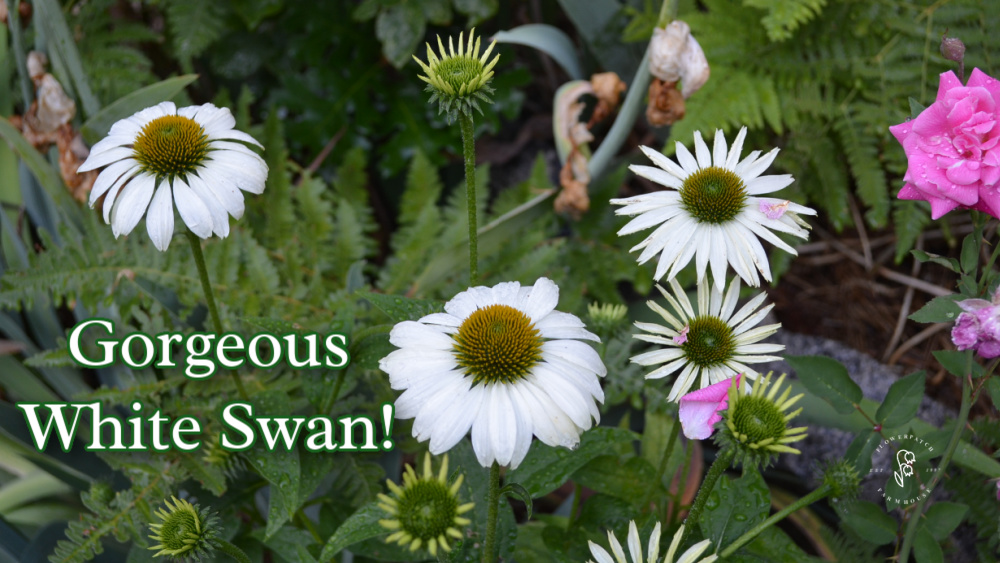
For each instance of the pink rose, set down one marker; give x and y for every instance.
(699, 410)
(953, 147)
(978, 327)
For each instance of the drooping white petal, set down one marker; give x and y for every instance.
(132, 204)
(192, 210)
(160, 218)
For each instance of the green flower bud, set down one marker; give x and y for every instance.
(458, 80)
(425, 511)
(185, 532)
(756, 425)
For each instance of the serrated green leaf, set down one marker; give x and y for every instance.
(546, 468)
(955, 362)
(869, 521)
(828, 379)
(98, 125)
(861, 449)
(369, 348)
(58, 357)
(400, 308)
(941, 309)
(361, 525)
(735, 506)
(943, 517)
(902, 400)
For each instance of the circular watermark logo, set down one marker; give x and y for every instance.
(908, 470)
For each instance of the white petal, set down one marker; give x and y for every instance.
(456, 420)
(192, 209)
(657, 175)
(758, 167)
(768, 184)
(542, 300)
(224, 190)
(97, 160)
(160, 218)
(234, 135)
(220, 215)
(132, 204)
(599, 554)
(121, 170)
(687, 162)
(701, 150)
(734, 151)
(577, 353)
(417, 335)
(719, 151)
(634, 545)
(665, 163)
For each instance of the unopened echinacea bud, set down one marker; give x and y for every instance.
(459, 80)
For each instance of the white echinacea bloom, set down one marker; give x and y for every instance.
(712, 211)
(653, 553)
(162, 156)
(710, 345)
(501, 361)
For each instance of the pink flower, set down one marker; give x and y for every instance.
(978, 328)
(699, 410)
(682, 336)
(953, 147)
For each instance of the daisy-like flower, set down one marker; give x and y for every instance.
(757, 424)
(501, 361)
(708, 346)
(653, 553)
(711, 211)
(456, 80)
(163, 156)
(425, 511)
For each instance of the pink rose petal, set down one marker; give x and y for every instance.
(699, 410)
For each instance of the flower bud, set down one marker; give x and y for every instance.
(675, 55)
(953, 49)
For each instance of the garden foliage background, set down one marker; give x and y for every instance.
(361, 226)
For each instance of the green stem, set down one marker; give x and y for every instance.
(492, 514)
(632, 105)
(674, 431)
(233, 551)
(469, 153)
(956, 435)
(803, 502)
(719, 466)
(577, 491)
(206, 285)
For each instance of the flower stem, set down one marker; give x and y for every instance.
(956, 435)
(213, 312)
(674, 431)
(492, 514)
(469, 153)
(719, 466)
(746, 538)
(233, 551)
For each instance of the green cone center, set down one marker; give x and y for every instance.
(758, 418)
(713, 195)
(179, 532)
(171, 146)
(427, 509)
(710, 342)
(497, 344)
(459, 71)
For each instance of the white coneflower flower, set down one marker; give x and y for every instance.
(653, 553)
(501, 361)
(710, 345)
(163, 156)
(711, 211)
